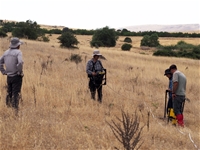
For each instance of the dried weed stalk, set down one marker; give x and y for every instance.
(127, 131)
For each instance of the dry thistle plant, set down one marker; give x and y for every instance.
(127, 131)
(44, 67)
(76, 58)
(34, 92)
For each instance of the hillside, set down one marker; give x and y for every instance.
(58, 113)
(167, 28)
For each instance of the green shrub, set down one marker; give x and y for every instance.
(165, 53)
(67, 39)
(2, 33)
(196, 49)
(126, 47)
(151, 41)
(104, 37)
(128, 40)
(181, 49)
(45, 39)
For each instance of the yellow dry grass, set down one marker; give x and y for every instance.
(57, 112)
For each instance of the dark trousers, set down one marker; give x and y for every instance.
(96, 86)
(170, 103)
(178, 104)
(13, 90)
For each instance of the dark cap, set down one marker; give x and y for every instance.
(167, 71)
(172, 67)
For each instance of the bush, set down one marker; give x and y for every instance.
(126, 47)
(196, 49)
(67, 39)
(165, 53)
(128, 40)
(2, 33)
(104, 37)
(45, 39)
(181, 49)
(151, 41)
(28, 29)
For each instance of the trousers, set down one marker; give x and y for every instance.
(13, 90)
(96, 86)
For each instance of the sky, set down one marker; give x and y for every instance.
(93, 14)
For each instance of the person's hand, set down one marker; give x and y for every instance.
(173, 95)
(168, 90)
(94, 73)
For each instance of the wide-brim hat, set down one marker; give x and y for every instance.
(96, 52)
(15, 42)
(167, 71)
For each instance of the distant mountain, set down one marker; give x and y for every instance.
(167, 28)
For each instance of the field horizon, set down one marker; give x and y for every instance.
(58, 113)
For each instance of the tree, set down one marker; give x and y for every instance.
(104, 37)
(2, 33)
(126, 47)
(28, 29)
(67, 39)
(154, 40)
(151, 41)
(145, 41)
(128, 40)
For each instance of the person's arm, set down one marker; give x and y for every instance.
(3, 71)
(20, 63)
(175, 86)
(88, 69)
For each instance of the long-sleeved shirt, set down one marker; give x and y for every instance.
(12, 59)
(94, 67)
(170, 87)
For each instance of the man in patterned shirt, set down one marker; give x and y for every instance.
(94, 70)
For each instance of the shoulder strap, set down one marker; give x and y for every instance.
(100, 63)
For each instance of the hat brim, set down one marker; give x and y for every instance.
(166, 74)
(16, 45)
(97, 55)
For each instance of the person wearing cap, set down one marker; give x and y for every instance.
(178, 93)
(12, 60)
(169, 109)
(94, 69)
(168, 74)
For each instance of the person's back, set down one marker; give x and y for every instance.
(12, 59)
(181, 79)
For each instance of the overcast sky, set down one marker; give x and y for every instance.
(93, 14)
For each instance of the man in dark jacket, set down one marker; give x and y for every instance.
(94, 70)
(170, 111)
(12, 60)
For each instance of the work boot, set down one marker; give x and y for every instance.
(15, 102)
(179, 118)
(93, 95)
(100, 98)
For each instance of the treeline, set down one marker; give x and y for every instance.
(11, 26)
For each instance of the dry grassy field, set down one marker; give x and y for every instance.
(57, 112)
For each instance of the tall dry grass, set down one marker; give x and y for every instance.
(57, 112)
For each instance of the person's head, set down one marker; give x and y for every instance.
(15, 43)
(96, 54)
(168, 73)
(172, 68)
